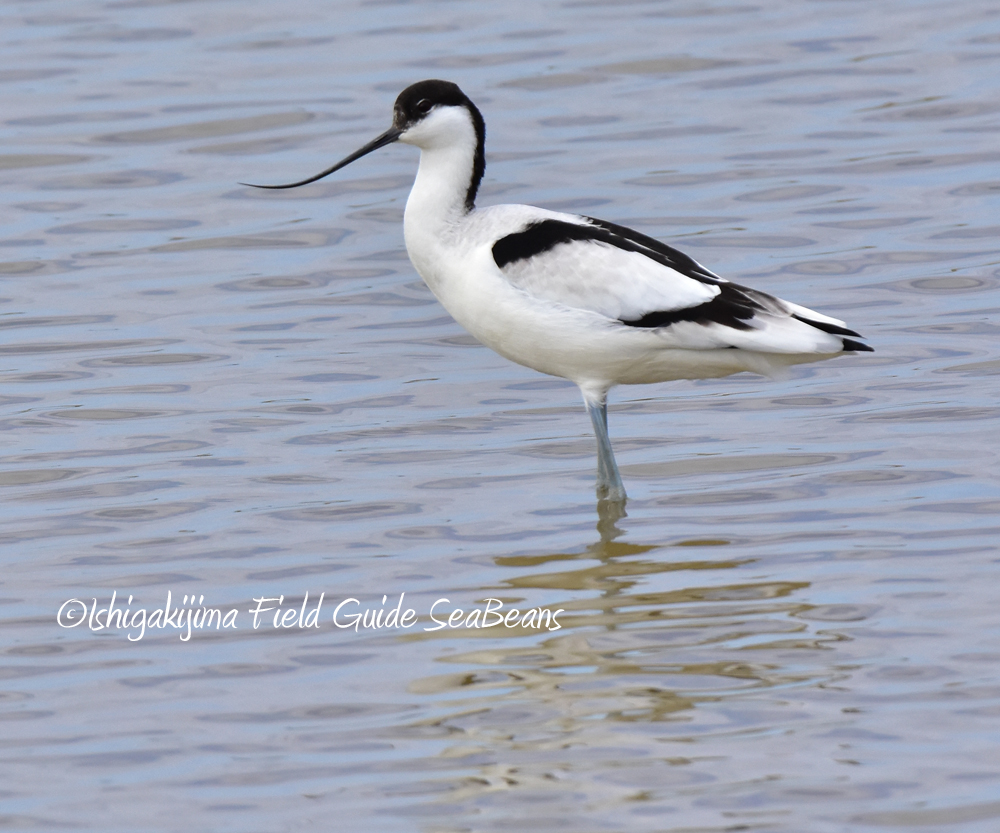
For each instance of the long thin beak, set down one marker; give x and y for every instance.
(386, 138)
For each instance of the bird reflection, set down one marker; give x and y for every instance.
(609, 512)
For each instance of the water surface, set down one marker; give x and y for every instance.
(221, 393)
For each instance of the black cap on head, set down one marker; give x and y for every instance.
(417, 100)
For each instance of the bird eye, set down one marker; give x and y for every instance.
(423, 106)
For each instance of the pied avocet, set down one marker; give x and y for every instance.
(571, 296)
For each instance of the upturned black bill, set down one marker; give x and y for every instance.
(386, 138)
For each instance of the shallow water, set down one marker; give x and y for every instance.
(231, 394)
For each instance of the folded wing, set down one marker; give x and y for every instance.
(639, 282)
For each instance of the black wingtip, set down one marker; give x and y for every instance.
(852, 346)
(827, 327)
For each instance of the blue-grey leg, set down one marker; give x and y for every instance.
(609, 481)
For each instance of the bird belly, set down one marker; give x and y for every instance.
(576, 344)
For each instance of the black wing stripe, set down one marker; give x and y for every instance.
(543, 235)
(659, 251)
(733, 307)
(536, 239)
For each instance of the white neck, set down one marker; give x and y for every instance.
(442, 184)
(437, 204)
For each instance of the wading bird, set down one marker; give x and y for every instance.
(571, 296)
